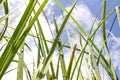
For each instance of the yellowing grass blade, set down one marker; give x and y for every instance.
(71, 62)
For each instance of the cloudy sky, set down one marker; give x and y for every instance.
(85, 15)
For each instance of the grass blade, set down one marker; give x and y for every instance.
(71, 62)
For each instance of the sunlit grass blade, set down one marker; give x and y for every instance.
(37, 71)
(4, 17)
(79, 75)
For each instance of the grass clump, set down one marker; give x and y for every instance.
(43, 66)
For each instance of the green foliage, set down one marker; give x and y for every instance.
(46, 69)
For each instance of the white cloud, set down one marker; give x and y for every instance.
(83, 16)
(114, 53)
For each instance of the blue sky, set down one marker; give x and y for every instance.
(94, 5)
(88, 8)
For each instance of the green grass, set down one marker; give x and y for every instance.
(47, 69)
